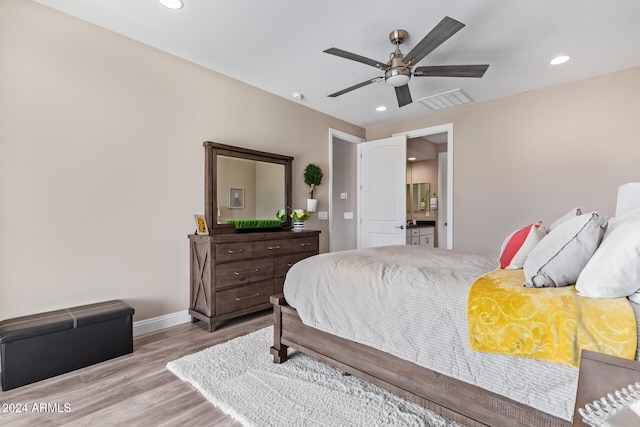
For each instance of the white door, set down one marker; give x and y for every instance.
(382, 197)
(443, 228)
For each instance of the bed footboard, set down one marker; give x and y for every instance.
(463, 403)
(278, 350)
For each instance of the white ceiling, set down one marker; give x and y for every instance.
(277, 45)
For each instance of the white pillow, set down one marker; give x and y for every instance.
(560, 257)
(614, 270)
(519, 244)
(571, 214)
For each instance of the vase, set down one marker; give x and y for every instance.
(312, 205)
(298, 225)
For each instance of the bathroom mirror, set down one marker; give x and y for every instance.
(418, 197)
(244, 184)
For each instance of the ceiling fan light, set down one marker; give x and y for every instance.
(397, 80)
(172, 4)
(397, 76)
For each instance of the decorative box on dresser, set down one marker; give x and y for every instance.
(235, 274)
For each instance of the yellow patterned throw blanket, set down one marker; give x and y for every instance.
(551, 324)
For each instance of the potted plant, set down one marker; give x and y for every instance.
(299, 216)
(313, 178)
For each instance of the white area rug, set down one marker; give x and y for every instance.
(240, 378)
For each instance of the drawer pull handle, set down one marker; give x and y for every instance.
(274, 247)
(237, 273)
(305, 244)
(231, 251)
(249, 296)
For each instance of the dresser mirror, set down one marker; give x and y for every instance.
(244, 184)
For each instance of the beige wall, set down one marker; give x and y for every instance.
(536, 155)
(345, 233)
(101, 161)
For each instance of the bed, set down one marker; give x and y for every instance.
(409, 335)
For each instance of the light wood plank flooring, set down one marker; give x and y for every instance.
(132, 390)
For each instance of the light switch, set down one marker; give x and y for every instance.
(323, 215)
(348, 215)
(343, 196)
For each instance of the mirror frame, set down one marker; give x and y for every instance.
(211, 152)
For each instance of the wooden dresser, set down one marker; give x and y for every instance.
(233, 274)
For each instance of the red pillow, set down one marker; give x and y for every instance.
(517, 246)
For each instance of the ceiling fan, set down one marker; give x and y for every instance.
(398, 72)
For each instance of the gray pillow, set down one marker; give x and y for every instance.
(569, 215)
(562, 254)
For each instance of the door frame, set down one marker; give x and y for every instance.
(448, 128)
(442, 226)
(347, 137)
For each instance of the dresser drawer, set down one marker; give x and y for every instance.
(233, 251)
(243, 272)
(272, 247)
(245, 296)
(282, 264)
(304, 244)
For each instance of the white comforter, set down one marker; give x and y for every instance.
(411, 301)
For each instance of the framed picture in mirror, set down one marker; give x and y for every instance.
(236, 198)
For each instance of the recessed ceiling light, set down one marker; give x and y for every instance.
(559, 60)
(381, 108)
(411, 159)
(297, 96)
(172, 4)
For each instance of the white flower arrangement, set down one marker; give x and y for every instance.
(300, 215)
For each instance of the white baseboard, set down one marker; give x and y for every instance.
(154, 324)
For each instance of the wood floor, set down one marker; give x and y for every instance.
(132, 390)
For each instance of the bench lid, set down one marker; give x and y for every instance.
(60, 320)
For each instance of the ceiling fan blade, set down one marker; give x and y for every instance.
(355, 57)
(451, 71)
(359, 85)
(404, 95)
(440, 33)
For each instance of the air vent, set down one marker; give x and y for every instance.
(446, 99)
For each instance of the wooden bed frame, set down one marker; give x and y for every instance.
(463, 403)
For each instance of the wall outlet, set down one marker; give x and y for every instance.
(323, 215)
(343, 196)
(348, 215)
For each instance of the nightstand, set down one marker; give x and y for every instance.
(601, 374)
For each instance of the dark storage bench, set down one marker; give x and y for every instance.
(44, 345)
